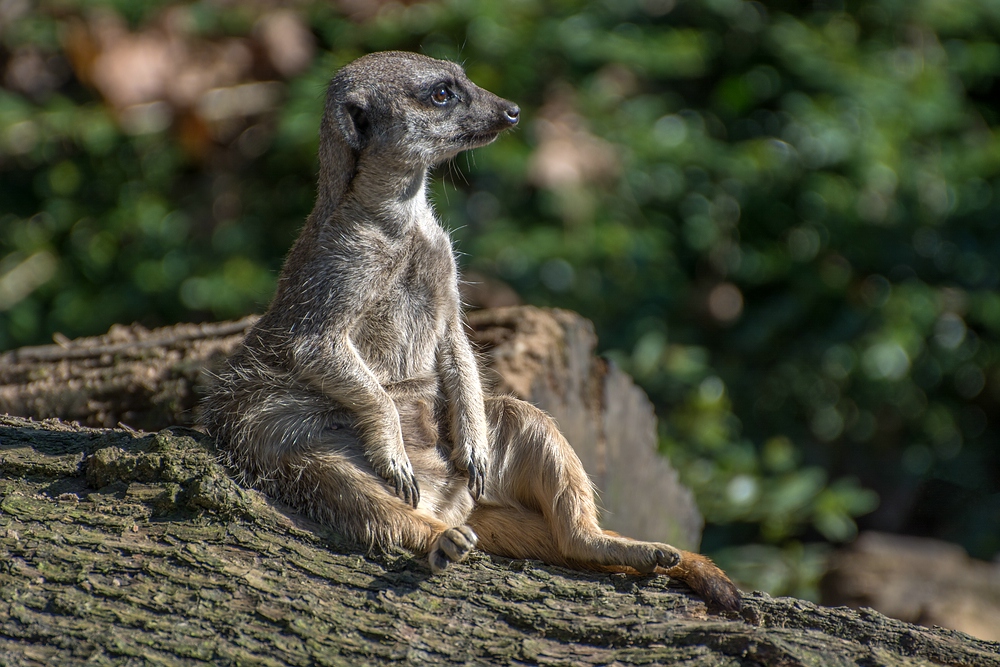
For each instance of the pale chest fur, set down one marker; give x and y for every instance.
(399, 332)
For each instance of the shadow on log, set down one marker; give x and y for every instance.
(124, 547)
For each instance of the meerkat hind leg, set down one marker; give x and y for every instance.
(515, 532)
(334, 490)
(545, 482)
(542, 472)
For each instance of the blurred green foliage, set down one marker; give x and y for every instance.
(782, 218)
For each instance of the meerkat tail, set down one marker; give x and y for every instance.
(706, 579)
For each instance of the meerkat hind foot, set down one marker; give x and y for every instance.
(647, 556)
(452, 546)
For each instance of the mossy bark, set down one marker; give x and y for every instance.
(127, 548)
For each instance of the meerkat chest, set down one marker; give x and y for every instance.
(427, 287)
(426, 277)
(401, 329)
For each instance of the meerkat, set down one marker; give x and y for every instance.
(356, 398)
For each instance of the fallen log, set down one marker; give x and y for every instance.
(122, 547)
(919, 580)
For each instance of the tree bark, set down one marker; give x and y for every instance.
(128, 548)
(130, 375)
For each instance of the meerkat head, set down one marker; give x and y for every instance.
(412, 111)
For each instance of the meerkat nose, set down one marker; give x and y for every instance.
(513, 113)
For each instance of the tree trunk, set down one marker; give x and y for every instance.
(131, 375)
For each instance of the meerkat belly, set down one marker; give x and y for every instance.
(422, 415)
(443, 494)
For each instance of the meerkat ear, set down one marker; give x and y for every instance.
(354, 124)
(360, 118)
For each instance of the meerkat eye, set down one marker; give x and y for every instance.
(441, 95)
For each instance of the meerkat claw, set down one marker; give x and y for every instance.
(405, 485)
(477, 480)
(411, 492)
(668, 558)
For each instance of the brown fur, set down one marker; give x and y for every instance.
(356, 397)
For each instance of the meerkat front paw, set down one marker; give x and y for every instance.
(470, 460)
(399, 475)
(451, 546)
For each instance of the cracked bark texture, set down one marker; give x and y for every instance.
(126, 548)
